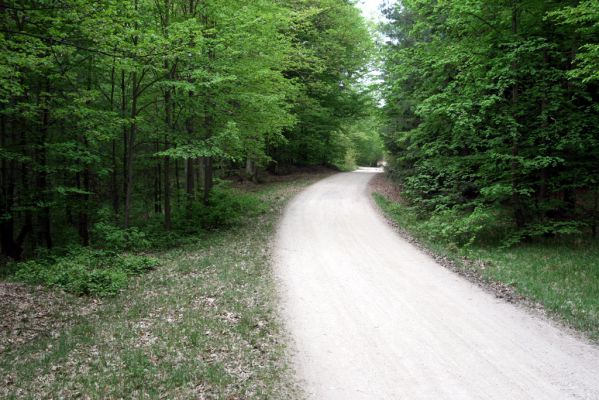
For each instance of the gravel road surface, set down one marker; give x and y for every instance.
(373, 317)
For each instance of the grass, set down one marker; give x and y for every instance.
(562, 275)
(202, 325)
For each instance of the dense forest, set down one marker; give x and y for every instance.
(492, 115)
(119, 114)
(150, 151)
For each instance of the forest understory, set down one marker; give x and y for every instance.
(203, 324)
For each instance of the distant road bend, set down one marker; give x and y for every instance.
(372, 317)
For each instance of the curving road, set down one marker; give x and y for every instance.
(372, 317)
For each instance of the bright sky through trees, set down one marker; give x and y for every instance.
(371, 9)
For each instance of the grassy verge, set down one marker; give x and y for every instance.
(561, 275)
(202, 325)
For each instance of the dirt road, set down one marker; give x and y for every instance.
(372, 317)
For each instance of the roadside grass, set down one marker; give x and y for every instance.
(202, 325)
(562, 275)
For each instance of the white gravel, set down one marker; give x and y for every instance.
(372, 317)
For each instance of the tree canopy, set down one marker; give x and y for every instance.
(126, 111)
(492, 113)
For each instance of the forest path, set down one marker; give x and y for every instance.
(372, 317)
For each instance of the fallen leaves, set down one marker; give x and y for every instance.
(28, 312)
(203, 325)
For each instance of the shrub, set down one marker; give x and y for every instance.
(85, 271)
(113, 237)
(459, 227)
(226, 207)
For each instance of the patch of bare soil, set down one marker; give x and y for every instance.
(383, 185)
(28, 312)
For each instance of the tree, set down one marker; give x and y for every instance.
(119, 113)
(486, 112)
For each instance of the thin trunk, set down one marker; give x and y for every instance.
(198, 173)
(208, 179)
(131, 145)
(189, 170)
(167, 195)
(83, 215)
(6, 213)
(125, 133)
(516, 200)
(209, 109)
(543, 191)
(44, 221)
(115, 184)
(208, 176)
(595, 212)
(168, 119)
(83, 222)
(158, 184)
(84, 199)
(189, 185)
(28, 227)
(114, 174)
(177, 183)
(251, 170)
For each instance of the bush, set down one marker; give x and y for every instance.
(459, 227)
(448, 226)
(226, 207)
(113, 237)
(85, 271)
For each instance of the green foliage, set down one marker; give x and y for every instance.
(357, 143)
(226, 208)
(492, 106)
(112, 237)
(450, 227)
(333, 49)
(460, 228)
(584, 19)
(125, 104)
(153, 340)
(85, 271)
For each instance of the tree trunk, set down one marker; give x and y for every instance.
(250, 170)
(167, 195)
(114, 181)
(6, 207)
(519, 215)
(158, 183)
(131, 145)
(177, 183)
(166, 167)
(189, 185)
(44, 222)
(125, 136)
(28, 227)
(83, 220)
(114, 188)
(595, 210)
(208, 179)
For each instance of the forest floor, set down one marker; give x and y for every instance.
(374, 317)
(556, 277)
(202, 325)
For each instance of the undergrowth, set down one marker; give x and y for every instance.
(201, 325)
(85, 271)
(104, 268)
